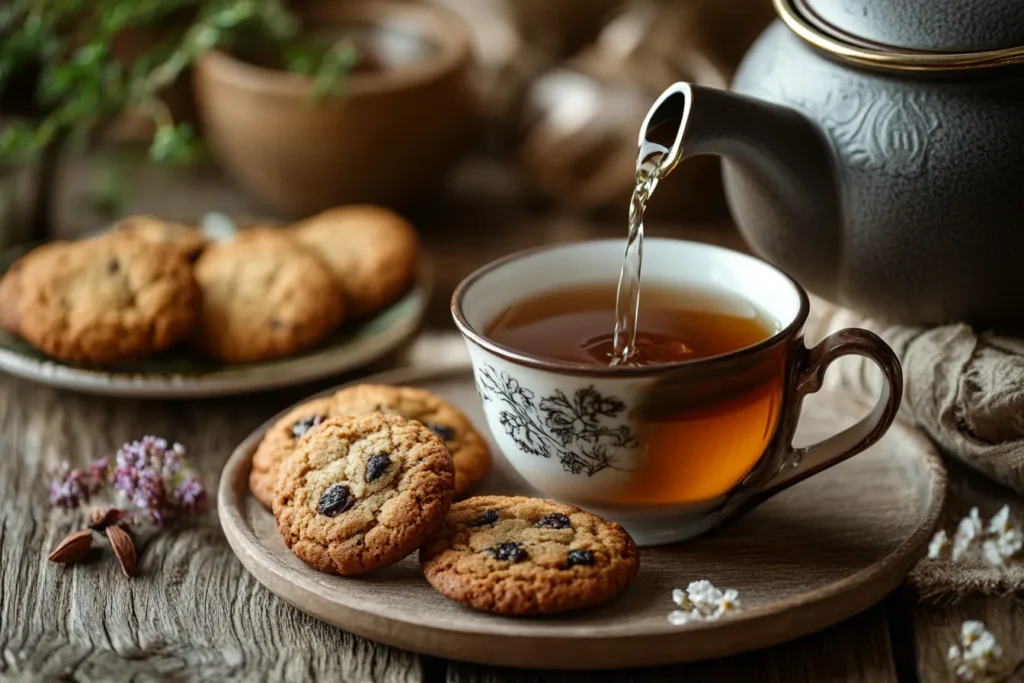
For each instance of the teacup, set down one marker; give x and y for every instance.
(632, 457)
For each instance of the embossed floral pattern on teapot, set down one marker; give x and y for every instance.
(885, 178)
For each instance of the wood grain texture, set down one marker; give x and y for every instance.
(856, 651)
(193, 612)
(812, 556)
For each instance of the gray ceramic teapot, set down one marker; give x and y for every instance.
(874, 149)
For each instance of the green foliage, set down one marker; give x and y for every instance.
(81, 85)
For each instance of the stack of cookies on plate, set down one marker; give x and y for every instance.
(361, 479)
(265, 293)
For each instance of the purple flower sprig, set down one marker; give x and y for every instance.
(151, 475)
(69, 487)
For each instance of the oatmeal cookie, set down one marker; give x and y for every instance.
(102, 301)
(363, 492)
(264, 297)
(468, 448)
(186, 238)
(515, 555)
(371, 252)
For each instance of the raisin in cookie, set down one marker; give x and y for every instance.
(102, 301)
(469, 450)
(280, 441)
(371, 252)
(264, 297)
(190, 241)
(514, 555)
(363, 492)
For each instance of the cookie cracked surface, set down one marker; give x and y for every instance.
(468, 448)
(516, 555)
(264, 297)
(361, 493)
(370, 250)
(101, 301)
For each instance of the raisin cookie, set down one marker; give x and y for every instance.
(363, 492)
(514, 555)
(469, 450)
(102, 301)
(190, 241)
(264, 297)
(370, 250)
(280, 441)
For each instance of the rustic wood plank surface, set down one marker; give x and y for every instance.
(856, 651)
(195, 614)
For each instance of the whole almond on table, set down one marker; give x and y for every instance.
(72, 548)
(123, 547)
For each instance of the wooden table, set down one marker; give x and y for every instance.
(194, 613)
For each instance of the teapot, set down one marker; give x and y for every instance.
(874, 149)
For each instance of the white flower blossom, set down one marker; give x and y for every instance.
(938, 545)
(729, 602)
(680, 598)
(1000, 523)
(995, 543)
(701, 601)
(990, 551)
(978, 656)
(679, 617)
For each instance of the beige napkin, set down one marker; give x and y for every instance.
(962, 387)
(965, 389)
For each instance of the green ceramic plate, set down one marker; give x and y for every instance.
(176, 374)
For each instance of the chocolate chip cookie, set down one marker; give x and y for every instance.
(363, 492)
(264, 297)
(514, 555)
(370, 250)
(102, 301)
(469, 450)
(187, 239)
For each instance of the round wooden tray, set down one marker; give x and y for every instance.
(812, 556)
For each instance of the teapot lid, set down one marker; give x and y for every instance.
(916, 35)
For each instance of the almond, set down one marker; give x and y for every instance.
(101, 518)
(73, 548)
(123, 547)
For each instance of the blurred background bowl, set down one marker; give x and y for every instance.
(403, 120)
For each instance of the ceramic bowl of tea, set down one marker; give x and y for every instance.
(696, 427)
(403, 116)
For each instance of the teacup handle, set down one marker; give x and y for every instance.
(802, 463)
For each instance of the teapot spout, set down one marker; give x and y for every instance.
(778, 166)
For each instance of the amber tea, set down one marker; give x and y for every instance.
(576, 324)
(698, 447)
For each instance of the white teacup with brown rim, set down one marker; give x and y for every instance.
(673, 449)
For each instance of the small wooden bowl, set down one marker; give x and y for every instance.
(387, 141)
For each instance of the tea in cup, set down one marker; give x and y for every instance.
(697, 426)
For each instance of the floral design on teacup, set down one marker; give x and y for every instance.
(574, 429)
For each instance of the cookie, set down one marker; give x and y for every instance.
(514, 555)
(469, 450)
(361, 493)
(103, 301)
(279, 442)
(11, 285)
(371, 252)
(168, 233)
(264, 297)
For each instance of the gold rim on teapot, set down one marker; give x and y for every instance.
(864, 53)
